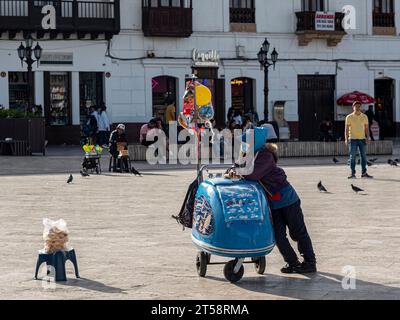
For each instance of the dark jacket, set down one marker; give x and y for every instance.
(114, 139)
(273, 178)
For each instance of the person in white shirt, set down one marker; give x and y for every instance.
(103, 126)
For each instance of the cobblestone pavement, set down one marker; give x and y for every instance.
(128, 246)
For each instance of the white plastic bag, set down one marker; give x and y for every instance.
(55, 235)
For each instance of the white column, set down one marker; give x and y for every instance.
(75, 99)
(226, 15)
(368, 15)
(108, 96)
(39, 88)
(228, 94)
(4, 95)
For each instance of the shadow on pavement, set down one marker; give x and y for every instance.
(319, 286)
(92, 285)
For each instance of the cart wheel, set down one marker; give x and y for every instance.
(208, 258)
(201, 264)
(229, 272)
(260, 264)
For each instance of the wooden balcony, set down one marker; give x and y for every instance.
(167, 21)
(72, 17)
(243, 20)
(384, 24)
(307, 31)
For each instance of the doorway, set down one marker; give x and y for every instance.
(164, 92)
(242, 95)
(384, 108)
(209, 78)
(316, 96)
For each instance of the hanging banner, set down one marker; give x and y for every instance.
(325, 21)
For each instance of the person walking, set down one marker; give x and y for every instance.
(357, 138)
(103, 126)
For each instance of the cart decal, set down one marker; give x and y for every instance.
(241, 203)
(204, 220)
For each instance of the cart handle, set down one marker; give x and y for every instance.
(211, 166)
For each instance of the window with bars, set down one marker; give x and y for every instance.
(383, 14)
(242, 11)
(383, 6)
(167, 3)
(312, 5)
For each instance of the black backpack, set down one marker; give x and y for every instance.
(185, 216)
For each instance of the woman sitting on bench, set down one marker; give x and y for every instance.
(118, 142)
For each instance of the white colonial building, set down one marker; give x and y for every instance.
(135, 55)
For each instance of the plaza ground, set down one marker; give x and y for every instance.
(128, 247)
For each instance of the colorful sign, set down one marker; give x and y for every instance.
(325, 21)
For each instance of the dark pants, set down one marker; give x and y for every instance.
(120, 163)
(291, 217)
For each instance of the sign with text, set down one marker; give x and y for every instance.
(57, 58)
(325, 21)
(205, 59)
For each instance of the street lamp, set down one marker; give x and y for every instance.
(265, 63)
(25, 55)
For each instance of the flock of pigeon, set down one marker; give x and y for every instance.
(371, 162)
(85, 174)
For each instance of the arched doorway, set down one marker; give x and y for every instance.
(384, 107)
(164, 92)
(242, 96)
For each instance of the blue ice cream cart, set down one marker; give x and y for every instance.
(231, 219)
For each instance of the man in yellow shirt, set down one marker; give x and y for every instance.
(357, 137)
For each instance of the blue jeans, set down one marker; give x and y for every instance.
(362, 146)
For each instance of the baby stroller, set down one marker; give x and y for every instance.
(231, 219)
(92, 160)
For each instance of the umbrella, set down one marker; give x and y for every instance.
(350, 98)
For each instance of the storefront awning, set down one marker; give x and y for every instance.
(350, 98)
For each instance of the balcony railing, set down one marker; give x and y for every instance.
(239, 15)
(71, 16)
(306, 21)
(385, 20)
(169, 21)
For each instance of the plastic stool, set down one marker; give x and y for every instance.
(57, 261)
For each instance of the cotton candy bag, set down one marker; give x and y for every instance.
(55, 235)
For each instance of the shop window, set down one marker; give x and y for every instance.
(91, 92)
(58, 98)
(242, 95)
(18, 90)
(164, 92)
(312, 5)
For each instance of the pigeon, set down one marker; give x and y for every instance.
(373, 160)
(336, 161)
(397, 160)
(321, 188)
(392, 163)
(70, 179)
(135, 172)
(356, 189)
(84, 174)
(370, 164)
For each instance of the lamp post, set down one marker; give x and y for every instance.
(25, 54)
(265, 63)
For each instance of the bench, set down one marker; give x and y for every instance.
(299, 149)
(15, 148)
